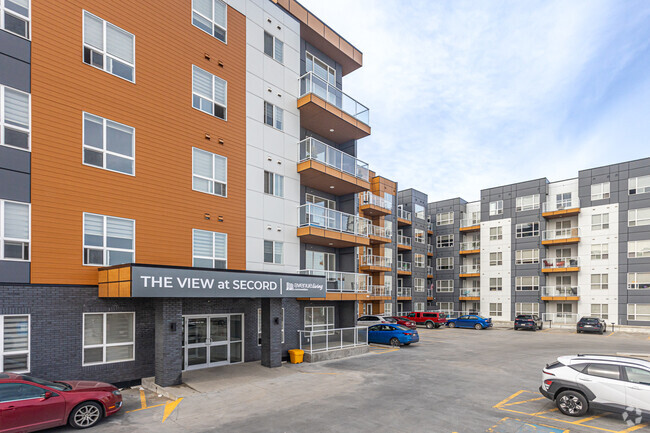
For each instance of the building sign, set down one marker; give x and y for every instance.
(170, 282)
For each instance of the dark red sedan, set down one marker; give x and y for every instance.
(29, 404)
(401, 321)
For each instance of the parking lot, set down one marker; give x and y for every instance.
(454, 380)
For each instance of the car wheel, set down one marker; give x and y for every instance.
(437, 325)
(452, 325)
(572, 403)
(87, 414)
(516, 329)
(429, 325)
(478, 327)
(394, 341)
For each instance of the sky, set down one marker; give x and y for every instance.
(468, 95)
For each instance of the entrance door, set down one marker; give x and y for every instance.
(211, 341)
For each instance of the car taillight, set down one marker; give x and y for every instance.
(548, 381)
(546, 372)
(408, 333)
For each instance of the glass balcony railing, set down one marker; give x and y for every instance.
(378, 261)
(430, 249)
(560, 317)
(560, 234)
(470, 269)
(470, 222)
(429, 270)
(341, 282)
(404, 291)
(310, 83)
(470, 246)
(382, 290)
(403, 214)
(552, 206)
(560, 263)
(430, 226)
(367, 197)
(312, 215)
(472, 291)
(430, 293)
(404, 240)
(313, 149)
(560, 291)
(403, 266)
(381, 232)
(323, 340)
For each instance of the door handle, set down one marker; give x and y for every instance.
(585, 380)
(633, 387)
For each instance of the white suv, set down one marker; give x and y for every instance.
(612, 383)
(371, 320)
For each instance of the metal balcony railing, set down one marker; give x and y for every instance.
(404, 240)
(470, 246)
(559, 234)
(430, 293)
(403, 266)
(470, 269)
(379, 261)
(430, 226)
(404, 291)
(367, 197)
(429, 270)
(310, 83)
(322, 340)
(381, 232)
(379, 290)
(470, 221)
(430, 249)
(471, 291)
(559, 290)
(555, 205)
(560, 317)
(341, 282)
(312, 215)
(403, 214)
(313, 149)
(560, 262)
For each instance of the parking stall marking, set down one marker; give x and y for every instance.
(522, 426)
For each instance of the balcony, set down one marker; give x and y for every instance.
(561, 236)
(321, 226)
(468, 271)
(561, 208)
(403, 292)
(328, 169)
(379, 235)
(374, 205)
(561, 264)
(341, 282)
(403, 268)
(429, 271)
(430, 250)
(403, 217)
(473, 247)
(375, 263)
(379, 291)
(470, 224)
(470, 294)
(403, 242)
(430, 294)
(324, 107)
(430, 228)
(560, 317)
(560, 293)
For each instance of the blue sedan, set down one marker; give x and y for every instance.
(393, 334)
(470, 321)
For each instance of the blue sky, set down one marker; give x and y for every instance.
(466, 95)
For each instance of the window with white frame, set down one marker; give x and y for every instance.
(15, 230)
(14, 343)
(638, 280)
(109, 47)
(108, 338)
(273, 184)
(445, 218)
(419, 236)
(496, 258)
(528, 202)
(599, 251)
(209, 93)
(388, 283)
(273, 115)
(109, 145)
(496, 309)
(419, 306)
(15, 118)
(527, 230)
(320, 201)
(444, 286)
(419, 260)
(496, 233)
(210, 249)
(418, 284)
(523, 257)
(638, 312)
(320, 261)
(388, 308)
(320, 69)
(419, 211)
(211, 16)
(319, 318)
(496, 284)
(445, 241)
(273, 47)
(15, 17)
(259, 326)
(527, 283)
(496, 207)
(638, 185)
(600, 311)
(638, 217)
(599, 281)
(600, 221)
(273, 252)
(444, 263)
(209, 172)
(526, 308)
(600, 191)
(638, 249)
(108, 240)
(446, 307)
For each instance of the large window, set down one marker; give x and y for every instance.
(419, 236)
(527, 283)
(14, 17)
(638, 217)
(320, 261)
(273, 252)
(638, 280)
(319, 318)
(320, 201)
(109, 47)
(638, 312)
(14, 343)
(444, 286)
(523, 257)
(419, 211)
(496, 258)
(445, 218)
(259, 326)
(599, 281)
(496, 284)
(108, 144)
(600, 221)
(638, 185)
(600, 191)
(419, 260)
(273, 47)
(108, 240)
(446, 307)
(15, 233)
(209, 93)
(210, 249)
(273, 184)
(526, 308)
(528, 202)
(444, 263)
(496, 207)
(15, 113)
(496, 309)
(638, 249)
(445, 241)
(496, 233)
(211, 17)
(600, 310)
(418, 284)
(527, 230)
(320, 69)
(209, 172)
(599, 251)
(108, 337)
(273, 115)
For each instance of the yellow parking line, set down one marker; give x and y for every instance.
(143, 399)
(543, 412)
(635, 428)
(525, 401)
(610, 334)
(146, 407)
(591, 418)
(504, 401)
(169, 408)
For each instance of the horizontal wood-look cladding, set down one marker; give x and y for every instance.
(159, 106)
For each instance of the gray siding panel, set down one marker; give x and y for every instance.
(14, 186)
(15, 159)
(14, 272)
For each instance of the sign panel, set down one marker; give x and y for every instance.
(155, 282)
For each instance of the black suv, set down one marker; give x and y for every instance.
(591, 324)
(528, 321)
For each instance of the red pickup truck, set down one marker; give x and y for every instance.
(429, 319)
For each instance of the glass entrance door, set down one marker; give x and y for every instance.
(211, 341)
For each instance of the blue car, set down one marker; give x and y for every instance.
(470, 321)
(393, 334)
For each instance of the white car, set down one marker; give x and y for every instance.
(371, 320)
(612, 383)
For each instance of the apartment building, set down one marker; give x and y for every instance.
(161, 215)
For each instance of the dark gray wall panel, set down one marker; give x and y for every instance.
(14, 272)
(15, 159)
(14, 186)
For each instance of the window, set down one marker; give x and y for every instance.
(273, 252)
(528, 202)
(640, 312)
(419, 306)
(320, 261)
(419, 236)
(600, 221)
(209, 93)
(599, 281)
(446, 307)
(496, 207)
(523, 257)
(445, 241)
(444, 263)
(496, 259)
(109, 47)
(599, 251)
(273, 47)
(600, 310)
(563, 200)
(496, 284)
(14, 17)
(319, 318)
(108, 337)
(638, 280)
(444, 286)
(210, 249)
(496, 309)
(638, 217)
(496, 233)
(443, 219)
(209, 172)
(600, 191)
(638, 185)
(388, 308)
(526, 308)
(638, 249)
(418, 284)
(14, 343)
(314, 199)
(15, 233)
(527, 230)
(108, 144)
(15, 112)
(419, 260)
(608, 371)
(527, 283)
(259, 326)
(273, 184)
(273, 115)
(320, 69)
(108, 240)
(211, 17)
(419, 211)
(637, 375)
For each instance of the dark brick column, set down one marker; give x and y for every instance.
(272, 332)
(169, 341)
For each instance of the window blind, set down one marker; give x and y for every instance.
(16, 221)
(16, 108)
(119, 43)
(203, 243)
(201, 82)
(93, 31)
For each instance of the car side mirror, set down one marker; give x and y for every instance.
(47, 395)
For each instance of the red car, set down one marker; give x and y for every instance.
(432, 319)
(401, 321)
(28, 404)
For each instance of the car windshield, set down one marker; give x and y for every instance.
(402, 327)
(589, 320)
(391, 319)
(59, 386)
(524, 316)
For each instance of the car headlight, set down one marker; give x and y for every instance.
(117, 392)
